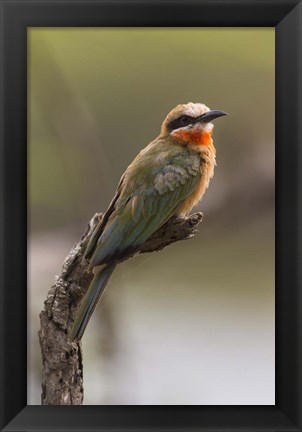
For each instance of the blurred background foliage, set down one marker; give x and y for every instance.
(193, 324)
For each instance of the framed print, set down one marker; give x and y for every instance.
(204, 335)
(195, 360)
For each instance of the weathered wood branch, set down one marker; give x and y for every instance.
(62, 375)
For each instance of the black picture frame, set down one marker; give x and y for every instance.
(16, 17)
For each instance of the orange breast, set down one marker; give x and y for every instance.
(206, 173)
(198, 137)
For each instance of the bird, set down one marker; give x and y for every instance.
(167, 178)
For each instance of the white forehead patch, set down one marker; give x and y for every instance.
(195, 109)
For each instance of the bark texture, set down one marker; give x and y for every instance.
(62, 380)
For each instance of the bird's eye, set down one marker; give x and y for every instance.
(184, 120)
(179, 122)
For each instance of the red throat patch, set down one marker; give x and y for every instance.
(198, 137)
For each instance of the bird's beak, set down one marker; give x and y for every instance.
(210, 115)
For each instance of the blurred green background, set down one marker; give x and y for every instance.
(193, 324)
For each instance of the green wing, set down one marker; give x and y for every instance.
(151, 191)
(101, 225)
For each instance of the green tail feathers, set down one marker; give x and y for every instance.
(90, 300)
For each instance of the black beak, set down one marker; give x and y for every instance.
(210, 115)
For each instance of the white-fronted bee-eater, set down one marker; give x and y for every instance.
(167, 178)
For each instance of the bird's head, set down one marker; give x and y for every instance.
(190, 123)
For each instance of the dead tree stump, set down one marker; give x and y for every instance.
(62, 374)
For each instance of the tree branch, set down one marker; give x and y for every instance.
(62, 375)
